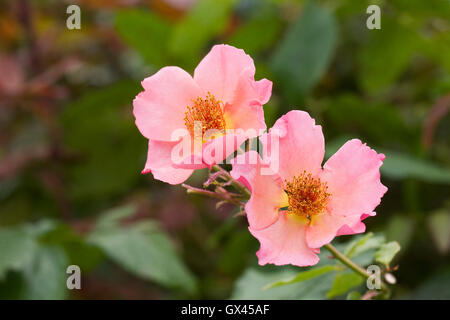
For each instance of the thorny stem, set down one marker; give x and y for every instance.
(220, 192)
(238, 185)
(223, 196)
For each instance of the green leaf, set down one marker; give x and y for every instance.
(302, 276)
(343, 283)
(313, 283)
(305, 51)
(352, 247)
(353, 295)
(85, 255)
(439, 224)
(207, 19)
(365, 248)
(399, 166)
(112, 217)
(45, 276)
(146, 32)
(362, 244)
(40, 269)
(386, 55)
(387, 252)
(146, 251)
(250, 284)
(17, 246)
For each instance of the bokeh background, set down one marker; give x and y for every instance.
(71, 191)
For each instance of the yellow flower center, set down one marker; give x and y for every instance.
(205, 111)
(307, 196)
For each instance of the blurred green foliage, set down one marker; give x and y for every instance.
(70, 155)
(328, 279)
(304, 52)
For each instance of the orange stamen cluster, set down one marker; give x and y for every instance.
(307, 195)
(208, 111)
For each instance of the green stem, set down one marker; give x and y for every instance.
(349, 263)
(346, 261)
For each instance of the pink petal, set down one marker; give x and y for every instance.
(284, 243)
(301, 144)
(357, 227)
(266, 190)
(193, 161)
(370, 214)
(353, 178)
(244, 173)
(324, 228)
(245, 110)
(160, 109)
(219, 71)
(218, 149)
(159, 162)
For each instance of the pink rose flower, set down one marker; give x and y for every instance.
(303, 206)
(222, 95)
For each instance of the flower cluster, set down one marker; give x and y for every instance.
(222, 95)
(296, 204)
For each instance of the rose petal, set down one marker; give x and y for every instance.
(353, 178)
(159, 162)
(218, 149)
(160, 109)
(267, 194)
(284, 243)
(301, 144)
(245, 110)
(220, 70)
(325, 227)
